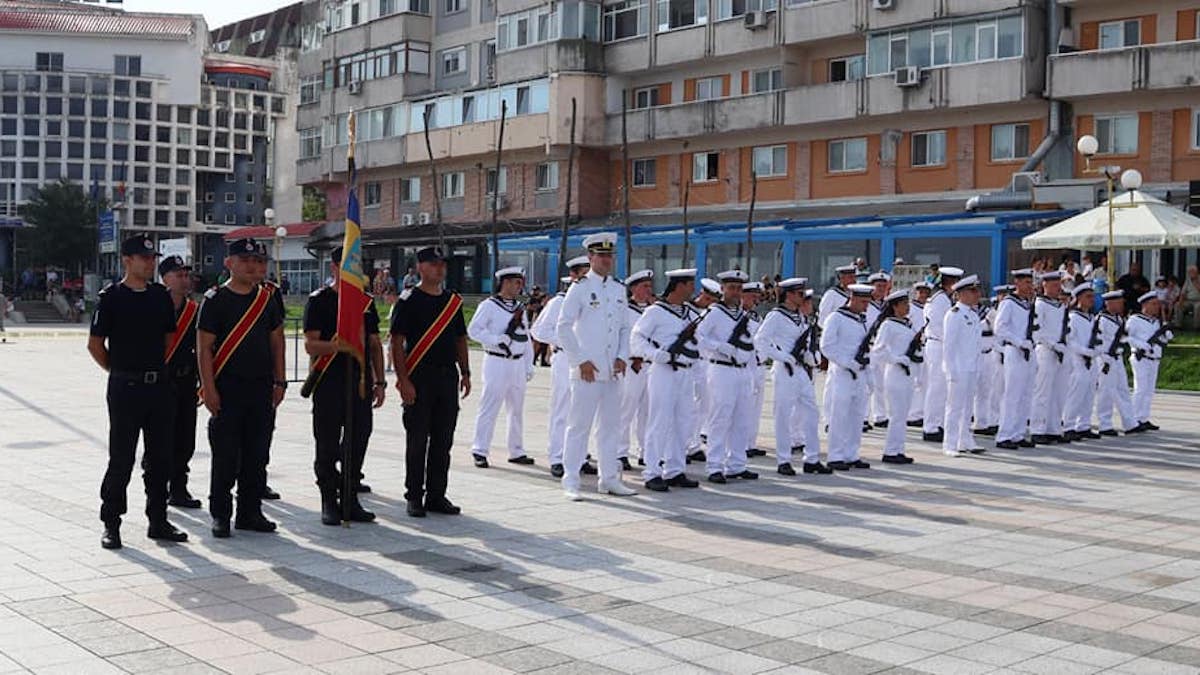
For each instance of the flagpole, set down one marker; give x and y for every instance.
(348, 470)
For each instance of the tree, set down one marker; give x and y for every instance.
(64, 226)
(313, 209)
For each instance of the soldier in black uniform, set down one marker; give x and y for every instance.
(430, 391)
(329, 398)
(277, 298)
(240, 391)
(131, 329)
(181, 373)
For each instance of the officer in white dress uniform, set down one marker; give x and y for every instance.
(985, 415)
(1113, 389)
(835, 298)
(1014, 329)
(787, 337)
(1083, 341)
(634, 403)
(499, 325)
(1050, 338)
(724, 338)
(545, 329)
(877, 415)
(751, 296)
(896, 352)
(1148, 337)
(935, 378)
(916, 315)
(710, 294)
(844, 341)
(963, 335)
(664, 336)
(594, 331)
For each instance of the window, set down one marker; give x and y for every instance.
(1118, 34)
(646, 97)
(454, 61)
(945, 44)
(766, 80)
(1196, 122)
(1118, 134)
(452, 6)
(941, 47)
(681, 13)
(373, 194)
(705, 166)
(709, 88)
(770, 161)
(221, 47)
(491, 181)
(410, 190)
(310, 142)
(230, 197)
(625, 20)
(929, 148)
(849, 154)
(847, 68)
(452, 184)
(547, 176)
(1009, 142)
(310, 89)
(49, 62)
(250, 198)
(127, 65)
(644, 172)
(534, 26)
(258, 36)
(230, 219)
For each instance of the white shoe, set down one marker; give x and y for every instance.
(952, 453)
(618, 489)
(573, 495)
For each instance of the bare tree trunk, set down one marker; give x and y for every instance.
(496, 190)
(750, 223)
(566, 221)
(687, 189)
(625, 183)
(437, 189)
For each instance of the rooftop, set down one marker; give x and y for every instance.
(76, 18)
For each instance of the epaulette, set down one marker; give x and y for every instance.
(861, 318)
(841, 291)
(954, 308)
(405, 294)
(211, 293)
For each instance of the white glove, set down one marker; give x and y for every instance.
(1168, 336)
(661, 356)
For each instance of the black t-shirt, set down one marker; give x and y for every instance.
(136, 324)
(320, 314)
(413, 314)
(220, 312)
(184, 360)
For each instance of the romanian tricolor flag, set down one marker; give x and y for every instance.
(352, 282)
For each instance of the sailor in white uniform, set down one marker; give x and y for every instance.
(710, 294)
(634, 403)
(1050, 338)
(664, 337)
(1113, 389)
(935, 378)
(896, 351)
(877, 415)
(844, 341)
(1148, 337)
(499, 325)
(752, 293)
(593, 329)
(1014, 329)
(1083, 340)
(985, 415)
(916, 314)
(963, 335)
(835, 298)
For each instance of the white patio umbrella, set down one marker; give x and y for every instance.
(1138, 221)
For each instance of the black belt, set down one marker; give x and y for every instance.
(731, 364)
(139, 376)
(510, 357)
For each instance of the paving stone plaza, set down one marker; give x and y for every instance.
(1075, 559)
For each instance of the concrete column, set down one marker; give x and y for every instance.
(803, 170)
(1161, 140)
(964, 157)
(888, 142)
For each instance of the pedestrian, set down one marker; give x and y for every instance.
(240, 350)
(752, 297)
(181, 373)
(835, 298)
(130, 332)
(429, 355)
(593, 329)
(1148, 337)
(1014, 330)
(933, 429)
(700, 415)
(1113, 389)
(335, 414)
(963, 334)
(916, 313)
(285, 286)
(725, 341)
(1051, 320)
(845, 342)
(1082, 343)
(896, 353)
(990, 384)
(877, 414)
(534, 307)
(500, 326)
(634, 400)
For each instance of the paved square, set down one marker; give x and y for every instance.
(1076, 559)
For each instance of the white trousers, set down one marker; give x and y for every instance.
(560, 405)
(1047, 393)
(592, 402)
(960, 394)
(697, 412)
(897, 385)
(879, 398)
(1081, 395)
(729, 400)
(847, 406)
(795, 405)
(916, 408)
(935, 387)
(1145, 378)
(503, 384)
(759, 380)
(1113, 390)
(988, 390)
(634, 409)
(1018, 390)
(669, 395)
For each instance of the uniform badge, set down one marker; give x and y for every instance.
(249, 246)
(148, 244)
(595, 302)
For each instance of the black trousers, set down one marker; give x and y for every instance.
(329, 429)
(429, 425)
(239, 436)
(136, 408)
(183, 431)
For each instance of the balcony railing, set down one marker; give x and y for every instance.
(1162, 66)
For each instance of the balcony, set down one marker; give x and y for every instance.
(829, 19)
(373, 93)
(1157, 67)
(573, 56)
(698, 118)
(378, 33)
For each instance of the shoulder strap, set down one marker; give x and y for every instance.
(241, 329)
(435, 330)
(181, 326)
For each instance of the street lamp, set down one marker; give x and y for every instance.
(280, 233)
(1131, 179)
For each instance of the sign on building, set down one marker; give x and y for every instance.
(108, 232)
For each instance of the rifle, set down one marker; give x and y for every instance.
(1116, 343)
(1062, 335)
(865, 346)
(1159, 338)
(1093, 341)
(914, 347)
(1030, 327)
(515, 323)
(802, 343)
(739, 330)
(679, 346)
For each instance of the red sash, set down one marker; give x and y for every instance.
(240, 330)
(181, 326)
(435, 331)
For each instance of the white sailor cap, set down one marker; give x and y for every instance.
(897, 295)
(966, 282)
(861, 289)
(1147, 296)
(923, 285)
(506, 272)
(752, 287)
(682, 273)
(1053, 275)
(1114, 295)
(1002, 288)
(1081, 289)
(642, 275)
(879, 276)
(732, 276)
(792, 283)
(808, 293)
(1023, 272)
(601, 242)
(845, 269)
(948, 271)
(578, 261)
(711, 287)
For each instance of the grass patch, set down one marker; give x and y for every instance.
(295, 313)
(1180, 367)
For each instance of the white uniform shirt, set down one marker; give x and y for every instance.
(1141, 329)
(1111, 337)
(987, 317)
(715, 333)
(841, 337)
(892, 341)
(594, 324)
(545, 326)
(1051, 323)
(776, 338)
(489, 325)
(1080, 334)
(657, 329)
(935, 314)
(1012, 319)
(635, 315)
(834, 299)
(753, 326)
(963, 334)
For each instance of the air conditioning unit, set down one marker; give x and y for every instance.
(883, 4)
(908, 76)
(501, 202)
(1024, 181)
(355, 87)
(756, 20)
(406, 219)
(425, 218)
